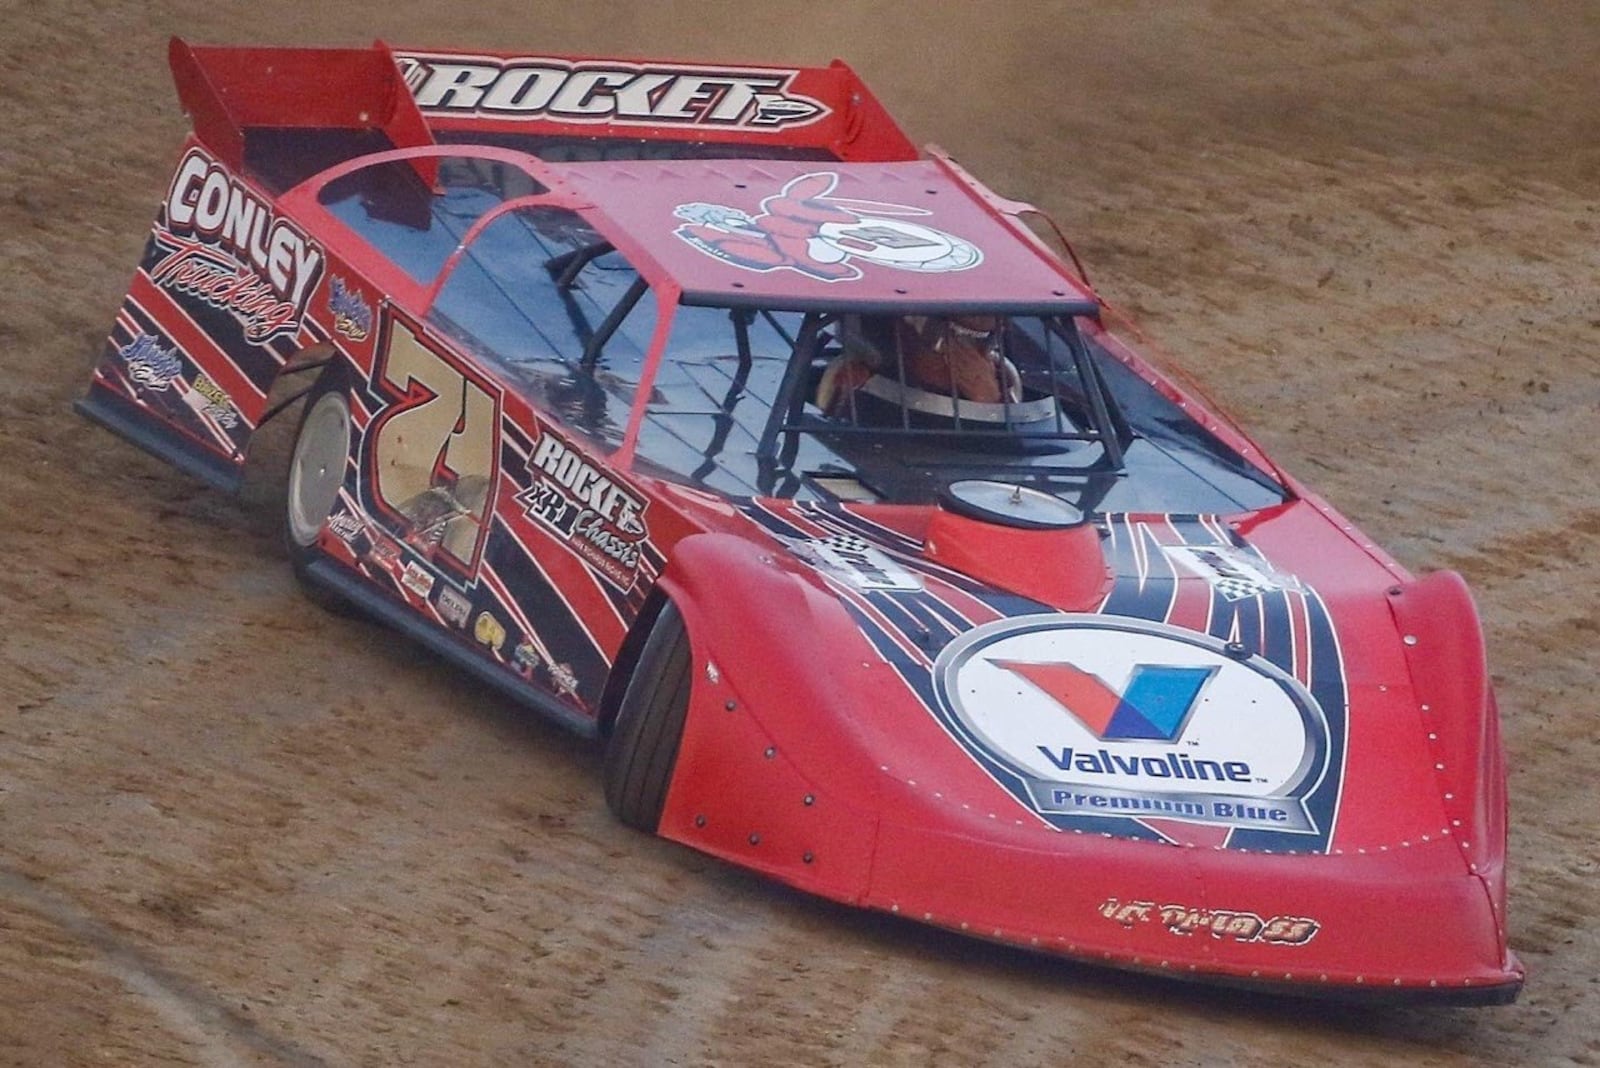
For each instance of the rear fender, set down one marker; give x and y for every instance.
(218, 305)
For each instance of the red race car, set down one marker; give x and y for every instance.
(689, 405)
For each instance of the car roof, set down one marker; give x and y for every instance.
(802, 235)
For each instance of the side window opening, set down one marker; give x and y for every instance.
(712, 396)
(283, 157)
(538, 293)
(417, 227)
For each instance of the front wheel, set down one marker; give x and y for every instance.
(644, 741)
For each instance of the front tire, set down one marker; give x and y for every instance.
(643, 749)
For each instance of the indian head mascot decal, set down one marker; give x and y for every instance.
(804, 229)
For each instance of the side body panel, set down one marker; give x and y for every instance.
(504, 537)
(488, 529)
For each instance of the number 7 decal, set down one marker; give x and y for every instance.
(433, 459)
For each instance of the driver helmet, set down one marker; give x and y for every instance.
(946, 365)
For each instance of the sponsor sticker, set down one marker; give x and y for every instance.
(803, 228)
(225, 246)
(385, 554)
(149, 365)
(855, 562)
(347, 526)
(600, 91)
(454, 606)
(417, 579)
(216, 404)
(564, 678)
(1095, 717)
(1233, 573)
(526, 659)
(489, 631)
(352, 315)
(1223, 924)
(601, 519)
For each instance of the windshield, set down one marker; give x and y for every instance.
(879, 407)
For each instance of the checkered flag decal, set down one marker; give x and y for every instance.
(1238, 589)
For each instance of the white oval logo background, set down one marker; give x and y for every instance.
(1250, 719)
(895, 243)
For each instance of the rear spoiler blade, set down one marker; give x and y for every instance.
(225, 91)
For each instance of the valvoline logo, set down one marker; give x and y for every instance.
(1103, 717)
(1155, 705)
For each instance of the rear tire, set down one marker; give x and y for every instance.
(316, 474)
(643, 749)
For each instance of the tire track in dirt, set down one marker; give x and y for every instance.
(219, 1033)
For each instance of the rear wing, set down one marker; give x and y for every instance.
(281, 114)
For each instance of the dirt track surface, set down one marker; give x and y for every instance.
(234, 830)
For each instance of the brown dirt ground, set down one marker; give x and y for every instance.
(235, 830)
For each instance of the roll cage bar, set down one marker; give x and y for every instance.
(787, 418)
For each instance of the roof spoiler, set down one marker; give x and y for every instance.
(564, 96)
(228, 90)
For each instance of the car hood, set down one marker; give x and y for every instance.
(1239, 684)
(1241, 746)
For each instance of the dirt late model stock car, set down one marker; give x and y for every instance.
(691, 406)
